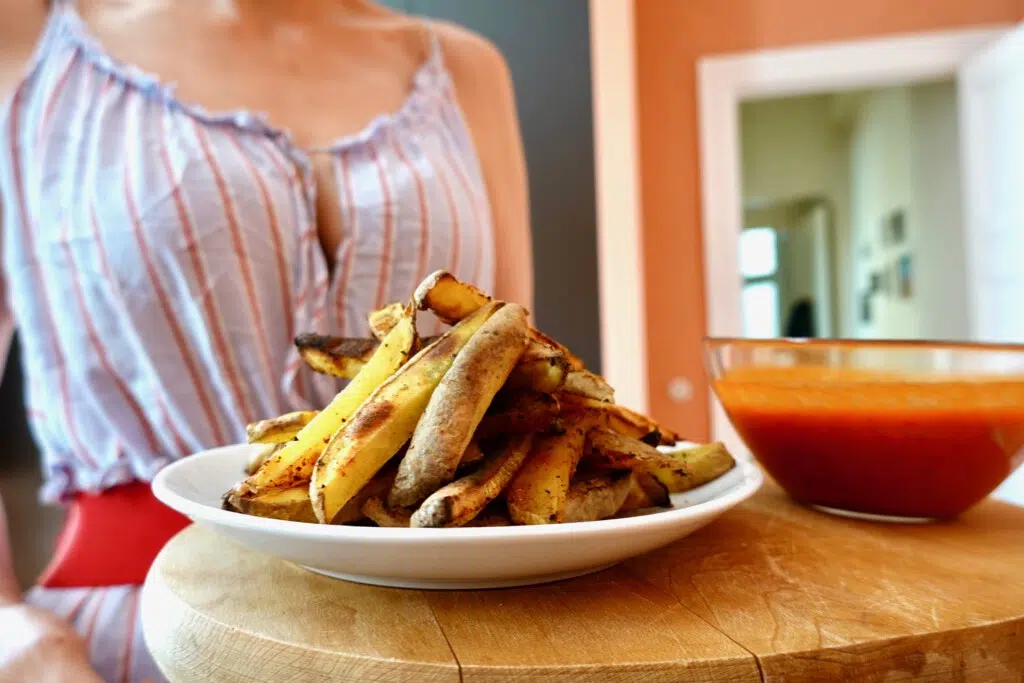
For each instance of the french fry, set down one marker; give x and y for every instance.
(341, 357)
(615, 417)
(596, 497)
(457, 406)
(335, 356)
(472, 455)
(279, 430)
(612, 450)
(538, 492)
(586, 383)
(451, 300)
(377, 487)
(541, 368)
(289, 504)
(293, 464)
(645, 491)
(522, 412)
(384, 319)
(260, 456)
(696, 466)
(463, 499)
(385, 420)
(381, 515)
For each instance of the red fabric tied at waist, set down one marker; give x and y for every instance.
(111, 538)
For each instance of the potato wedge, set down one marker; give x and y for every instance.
(538, 492)
(381, 515)
(288, 504)
(383, 320)
(612, 450)
(520, 413)
(341, 357)
(451, 300)
(386, 420)
(260, 456)
(473, 454)
(336, 356)
(463, 499)
(596, 497)
(697, 466)
(377, 487)
(541, 368)
(615, 417)
(458, 405)
(586, 383)
(645, 491)
(293, 464)
(279, 430)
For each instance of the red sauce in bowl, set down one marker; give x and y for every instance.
(878, 443)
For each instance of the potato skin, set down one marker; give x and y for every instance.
(538, 492)
(457, 406)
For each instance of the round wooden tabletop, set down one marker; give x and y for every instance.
(771, 591)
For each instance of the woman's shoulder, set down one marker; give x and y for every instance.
(20, 26)
(471, 58)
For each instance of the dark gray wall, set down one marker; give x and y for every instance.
(547, 45)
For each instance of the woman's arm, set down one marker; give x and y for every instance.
(484, 89)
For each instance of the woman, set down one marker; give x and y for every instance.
(160, 254)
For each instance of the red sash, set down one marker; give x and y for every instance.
(111, 538)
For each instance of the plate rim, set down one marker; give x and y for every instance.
(201, 513)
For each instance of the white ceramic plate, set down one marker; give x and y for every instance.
(464, 558)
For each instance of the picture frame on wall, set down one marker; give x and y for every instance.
(904, 269)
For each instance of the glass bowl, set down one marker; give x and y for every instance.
(901, 430)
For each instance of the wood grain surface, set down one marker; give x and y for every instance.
(770, 592)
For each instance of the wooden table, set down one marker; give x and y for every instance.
(770, 592)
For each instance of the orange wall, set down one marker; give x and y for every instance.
(671, 35)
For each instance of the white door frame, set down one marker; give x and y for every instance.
(725, 81)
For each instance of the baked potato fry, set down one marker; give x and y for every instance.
(381, 515)
(521, 412)
(596, 497)
(463, 499)
(457, 406)
(383, 320)
(289, 504)
(260, 456)
(696, 466)
(293, 464)
(615, 417)
(586, 383)
(385, 420)
(538, 492)
(541, 369)
(375, 488)
(279, 430)
(612, 450)
(645, 491)
(335, 356)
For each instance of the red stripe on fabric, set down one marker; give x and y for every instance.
(101, 595)
(165, 305)
(421, 197)
(101, 351)
(453, 217)
(238, 245)
(471, 196)
(349, 249)
(72, 613)
(165, 417)
(275, 230)
(129, 638)
(389, 228)
(51, 101)
(28, 237)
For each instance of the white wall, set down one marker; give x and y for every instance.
(904, 155)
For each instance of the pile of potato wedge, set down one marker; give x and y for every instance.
(491, 423)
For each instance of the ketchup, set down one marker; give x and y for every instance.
(879, 443)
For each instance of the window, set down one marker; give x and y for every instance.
(759, 267)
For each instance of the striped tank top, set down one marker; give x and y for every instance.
(158, 259)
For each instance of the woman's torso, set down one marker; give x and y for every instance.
(159, 258)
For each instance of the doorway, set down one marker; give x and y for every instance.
(861, 164)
